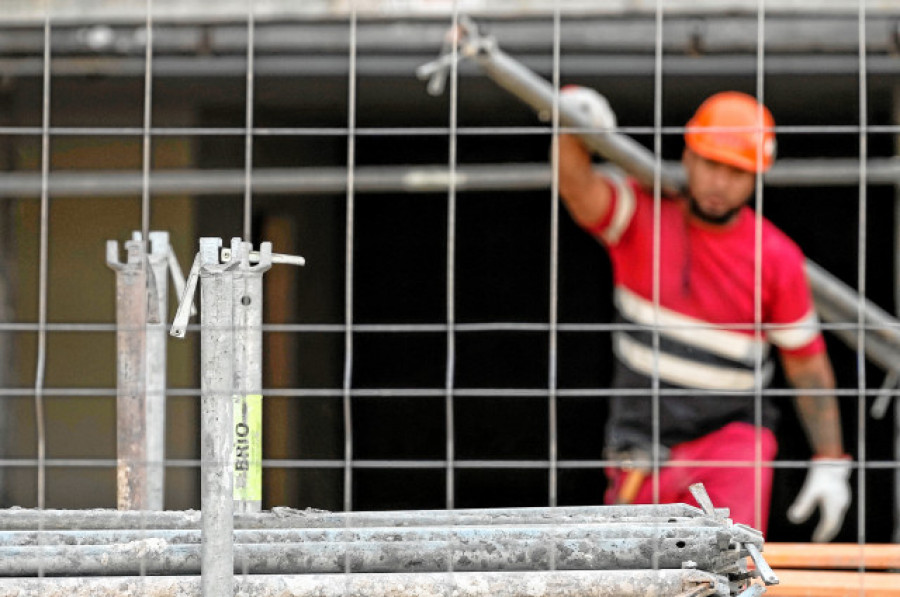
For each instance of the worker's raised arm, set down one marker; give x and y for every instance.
(587, 194)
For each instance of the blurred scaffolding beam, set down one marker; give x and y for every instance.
(394, 179)
(606, 44)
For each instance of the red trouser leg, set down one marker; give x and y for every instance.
(728, 473)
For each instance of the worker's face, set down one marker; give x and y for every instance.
(716, 191)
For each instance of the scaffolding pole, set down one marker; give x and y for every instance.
(622, 528)
(231, 392)
(607, 583)
(475, 553)
(141, 312)
(396, 179)
(19, 519)
(247, 430)
(158, 289)
(217, 419)
(131, 360)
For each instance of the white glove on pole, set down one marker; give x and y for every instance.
(827, 486)
(589, 103)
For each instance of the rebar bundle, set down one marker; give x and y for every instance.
(669, 549)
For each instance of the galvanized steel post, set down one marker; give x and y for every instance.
(248, 300)
(216, 449)
(231, 403)
(141, 296)
(156, 368)
(131, 321)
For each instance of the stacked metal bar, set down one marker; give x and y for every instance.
(672, 549)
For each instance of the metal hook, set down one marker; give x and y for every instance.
(178, 276)
(186, 304)
(467, 41)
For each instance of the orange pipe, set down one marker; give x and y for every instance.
(805, 583)
(634, 478)
(833, 555)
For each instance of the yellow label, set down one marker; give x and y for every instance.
(248, 448)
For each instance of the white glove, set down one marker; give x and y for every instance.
(590, 104)
(827, 485)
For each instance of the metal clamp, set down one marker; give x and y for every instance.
(468, 41)
(228, 258)
(160, 249)
(257, 256)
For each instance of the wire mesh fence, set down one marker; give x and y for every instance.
(449, 342)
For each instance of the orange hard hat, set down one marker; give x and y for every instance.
(730, 127)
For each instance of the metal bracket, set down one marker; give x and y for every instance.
(186, 304)
(159, 249)
(177, 276)
(229, 257)
(468, 41)
(699, 493)
(762, 567)
(266, 254)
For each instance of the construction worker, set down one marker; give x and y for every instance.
(713, 283)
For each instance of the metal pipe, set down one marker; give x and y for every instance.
(833, 291)
(837, 302)
(248, 301)
(86, 520)
(394, 179)
(688, 528)
(607, 583)
(880, 351)
(217, 357)
(693, 28)
(156, 368)
(131, 398)
(475, 554)
(541, 96)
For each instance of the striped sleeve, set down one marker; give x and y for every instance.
(622, 206)
(793, 325)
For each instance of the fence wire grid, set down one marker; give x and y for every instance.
(447, 344)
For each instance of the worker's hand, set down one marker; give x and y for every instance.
(590, 103)
(827, 486)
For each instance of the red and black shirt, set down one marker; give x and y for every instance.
(712, 354)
